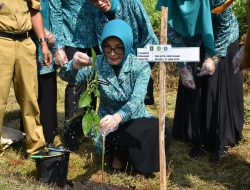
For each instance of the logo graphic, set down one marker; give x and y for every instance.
(158, 48)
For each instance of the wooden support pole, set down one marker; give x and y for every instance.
(162, 99)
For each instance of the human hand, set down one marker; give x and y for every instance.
(60, 57)
(47, 56)
(80, 60)
(208, 67)
(51, 38)
(187, 78)
(238, 59)
(108, 124)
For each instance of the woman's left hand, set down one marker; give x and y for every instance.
(208, 67)
(108, 124)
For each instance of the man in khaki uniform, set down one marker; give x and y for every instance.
(18, 64)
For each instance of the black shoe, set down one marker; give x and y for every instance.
(113, 170)
(217, 154)
(197, 152)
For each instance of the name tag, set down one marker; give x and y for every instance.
(167, 53)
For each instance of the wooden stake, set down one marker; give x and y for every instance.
(162, 99)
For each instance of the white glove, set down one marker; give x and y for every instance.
(108, 124)
(238, 59)
(60, 57)
(208, 67)
(187, 78)
(80, 60)
(50, 37)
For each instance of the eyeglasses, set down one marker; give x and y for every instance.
(117, 50)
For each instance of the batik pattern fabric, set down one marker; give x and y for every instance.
(177, 40)
(123, 94)
(41, 68)
(134, 14)
(73, 23)
(225, 26)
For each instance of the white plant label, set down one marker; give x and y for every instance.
(167, 53)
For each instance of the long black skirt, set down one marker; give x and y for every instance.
(213, 113)
(189, 109)
(224, 105)
(136, 142)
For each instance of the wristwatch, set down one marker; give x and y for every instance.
(43, 40)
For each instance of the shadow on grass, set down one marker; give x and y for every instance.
(11, 115)
(231, 172)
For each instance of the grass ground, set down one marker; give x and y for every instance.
(233, 172)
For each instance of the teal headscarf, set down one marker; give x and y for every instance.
(121, 30)
(190, 18)
(114, 5)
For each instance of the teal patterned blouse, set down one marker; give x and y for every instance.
(73, 23)
(39, 56)
(123, 94)
(133, 13)
(225, 28)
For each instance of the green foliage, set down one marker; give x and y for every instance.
(154, 15)
(90, 122)
(85, 100)
(91, 119)
(240, 11)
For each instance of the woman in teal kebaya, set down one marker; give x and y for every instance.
(131, 132)
(209, 105)
(135, 15)
(74, 28)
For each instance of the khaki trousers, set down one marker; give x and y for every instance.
(18, 65)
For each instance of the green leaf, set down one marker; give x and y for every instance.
(96, 122)
(93, 54)
(87, 123)
(90, 122)
(97, 93)
(95, 116)
(85, 99)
